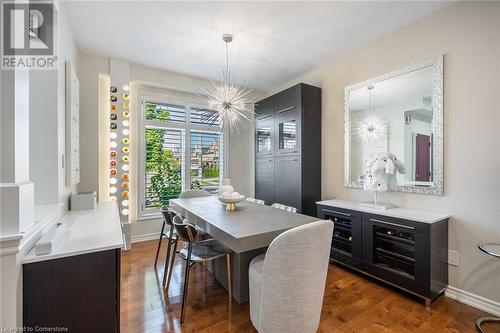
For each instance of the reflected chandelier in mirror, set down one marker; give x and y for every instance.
(401, 114)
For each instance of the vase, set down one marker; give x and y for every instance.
(225, 186)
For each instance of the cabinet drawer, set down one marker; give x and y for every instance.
(287, 100)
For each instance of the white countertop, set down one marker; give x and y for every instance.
(88, 231)
(402, 213)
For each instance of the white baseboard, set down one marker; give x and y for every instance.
(145, 237)
(474, 300)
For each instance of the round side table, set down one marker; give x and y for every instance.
(492, 250)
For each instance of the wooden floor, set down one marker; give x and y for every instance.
(352, 303)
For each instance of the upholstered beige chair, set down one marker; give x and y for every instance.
(288, 282)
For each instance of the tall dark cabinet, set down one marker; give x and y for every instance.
(288, 148)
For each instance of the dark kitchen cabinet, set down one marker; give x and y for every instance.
(80, 293)
(264, 180)
(264, 109)
(290, 136)
(288, 133)
(287, 100)
(287, 181)
(409, 254)
(264, 138)
(346, 240)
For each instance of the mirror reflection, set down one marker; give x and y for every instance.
(391, 124)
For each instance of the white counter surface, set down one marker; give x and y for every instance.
(88, 231)
(402, 213)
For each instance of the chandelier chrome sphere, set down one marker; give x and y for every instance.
(228, 99)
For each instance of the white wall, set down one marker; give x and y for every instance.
(467, 33)
(48, 121)
(240, 152)
(67, 52)
(43, 133)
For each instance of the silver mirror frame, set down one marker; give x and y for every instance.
(437, 126)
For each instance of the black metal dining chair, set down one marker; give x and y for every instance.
(167, 220)
(197, 251)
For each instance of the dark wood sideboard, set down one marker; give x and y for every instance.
(404, 248)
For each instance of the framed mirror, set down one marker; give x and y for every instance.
(398, 114)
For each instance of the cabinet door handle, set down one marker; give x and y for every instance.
(264, 117)
(286, 109)
(393, 224)
(335, 212)
(288, 159)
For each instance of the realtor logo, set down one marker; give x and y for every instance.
(28, 36)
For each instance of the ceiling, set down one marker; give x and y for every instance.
(273, 41)
(401, 91)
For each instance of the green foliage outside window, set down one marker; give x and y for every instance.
(156, 112)
(161, 165)
(211, 172)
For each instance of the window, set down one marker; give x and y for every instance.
(205, 160)
(183, 148)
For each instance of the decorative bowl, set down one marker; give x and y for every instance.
(230, 200)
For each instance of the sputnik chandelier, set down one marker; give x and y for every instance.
(228, 99)
(372, 129)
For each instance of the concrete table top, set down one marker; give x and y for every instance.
(250, 226)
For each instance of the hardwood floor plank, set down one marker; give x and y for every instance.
(352, 303)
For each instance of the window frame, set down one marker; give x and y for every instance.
(187, 101)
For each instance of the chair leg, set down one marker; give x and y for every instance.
(186, 282)
(170, 269)
(167, 257)
(229, 282)
(159, 243)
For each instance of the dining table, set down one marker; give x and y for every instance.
(247, 231)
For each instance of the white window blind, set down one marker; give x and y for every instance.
(183, 148)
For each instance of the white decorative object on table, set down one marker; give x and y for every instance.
(225, 186)
(231, 199)
(380, 175)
